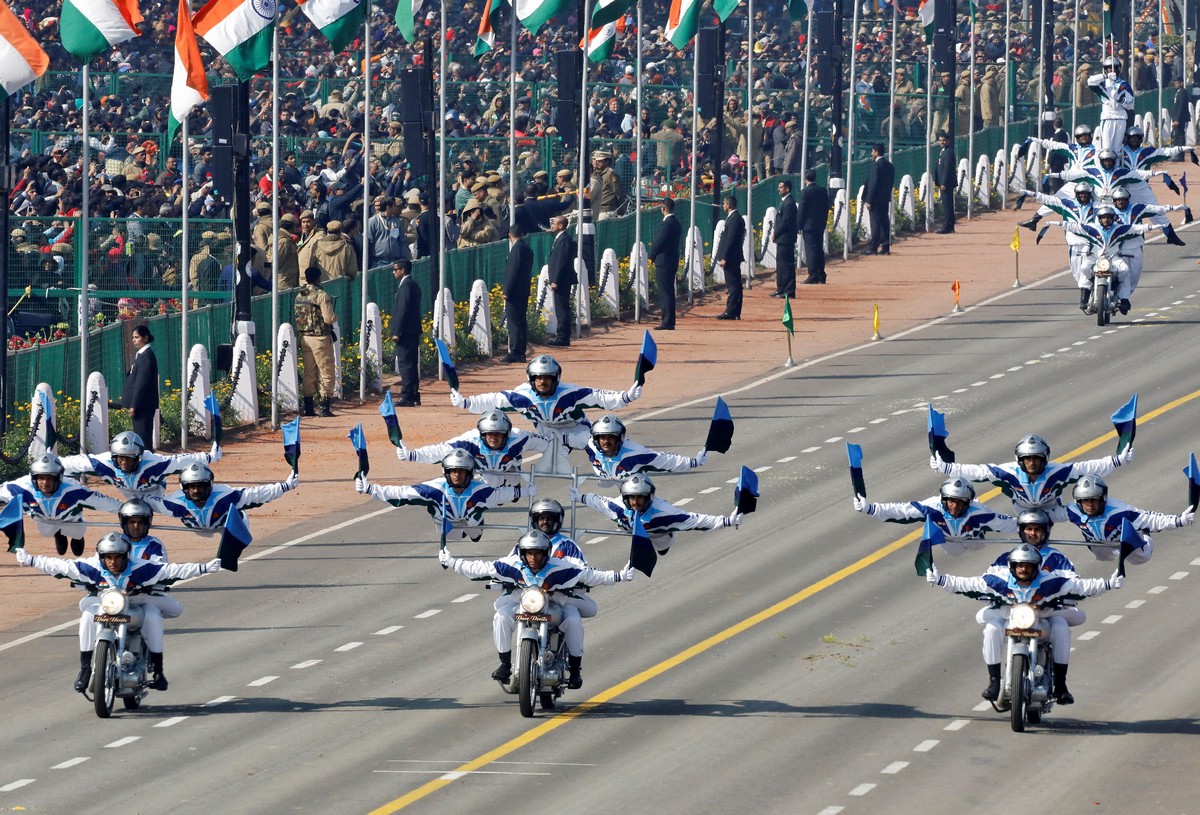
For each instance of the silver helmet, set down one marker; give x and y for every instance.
(534, 541)
(1135, 132)
(637, 485)
(127, 444)
(196, 474)
(47, 464)
(548, 506)
(1083, 189)
(1121, 194)
(543, 365)
(1024, 554)
(135, 508)
(958, 488)
(1111, 64)
(1106, 155)
(494, 421)
(1032, 445)
(1033, 517)
(1105, 209)
(1090, 486)
(114, 543)
(1083, 130)
(458, 460)
(609, 425)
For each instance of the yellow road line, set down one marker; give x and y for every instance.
(654, 671)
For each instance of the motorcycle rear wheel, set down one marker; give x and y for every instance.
(1102, 306)
(1018, 668)
(526, 686)
(547, 699)
(104, 679)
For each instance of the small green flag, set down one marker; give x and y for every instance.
(787, 316)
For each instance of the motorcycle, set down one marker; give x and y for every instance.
(1027, 673)
(1104, 289)
(121, 662)
(541, 650)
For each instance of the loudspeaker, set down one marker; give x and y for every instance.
(944, 56)
(825, 46)
(412, 102)
(712, 71)
(569, 71)
(223, 105)
(566, 119)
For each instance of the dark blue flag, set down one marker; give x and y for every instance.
(647, 358)
(234, 539)
(12, 523)
(51, 432)
(641, 552)
(931, 536)
(854, 453)
(214, 412)
(1125, 423)
(1193, 474)
(447, 363)
(1131, 541)
(291, 443)
(936, 425)
(359, 441)
(720, 430)
(388, 411)
(745, 494)
(1183, 183)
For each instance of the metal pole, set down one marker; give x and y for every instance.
(891, 91)
(1042, 85)
(808, 76)
(512, 130)
(1074, 73)
(366, 209)
(583, 146)
(275, 222)
(749, 141)
(637, 180)
(5, 184)
(438, 273)
(1162, 50)
(695, 180)
(971, 91)
(184, 375)
(929, 134)
(1008, 78)
(850, 196)
(84, 303)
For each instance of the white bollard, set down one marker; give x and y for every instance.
(96, 428)
(1000, 176)
(696, 259)
(769, 260)
(370, 349)
(718, 231)
(860, 212)
(907, 204)
(43, 395)
(337, 367)
(609, 282)
(244, 403)
(583, 295)
(443, 318)
(1147, 123)
(841, 214)
(480, 321)
(287, 374)
(198, 378)
(639, 270)
(545, 302)
(983, 187)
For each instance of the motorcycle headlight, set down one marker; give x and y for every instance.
(533, 601)
(1023, 616)
(1103, 264)
(112, 601)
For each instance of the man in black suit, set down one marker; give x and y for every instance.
(730, 256)
(877, 198)
(428, 238)
(561, 271)
(139, 395)
(787, 230)
(945, 176)
(1181, 113)
(664, 254)
(406, 333)
(812, 216)
(518, 273)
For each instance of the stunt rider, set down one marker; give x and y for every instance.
(133, 471)
(55, 503)
(1100, 518)
(498, 450)
(614, 457)
(203, 506)
(1023, 581)
(112, 568)
(954, 510)
(1117, 103)
(533, 566)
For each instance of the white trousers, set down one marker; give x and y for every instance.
(48, 526)
(994, 620)
(1109, 135)
(1109, 552)
(504, 624)
(152, 625)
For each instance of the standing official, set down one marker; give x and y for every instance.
(314, 319)
(945, 175)
(878, 200)
(140, 392)
(812, 215)
(664, 254)
(518, 276)
(787, 230)
(406, 333)
(1181, 114)
(561, 270)
(730, 255)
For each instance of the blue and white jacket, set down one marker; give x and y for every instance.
(210, 516)
(138, 574)
(446, 504)
(660, 519)
(1001, 588)
(972, 525)
(508, 458)
(64, 505)
(556, 575)
(150, 478)
(562, 410)
(633, 458)
(1043, 492)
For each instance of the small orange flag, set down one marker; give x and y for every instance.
(956, 289)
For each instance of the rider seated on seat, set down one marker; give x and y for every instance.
(533, 566)
(1022, 580)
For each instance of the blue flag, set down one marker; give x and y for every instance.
(447, 363)
(720, 430)
(1125, 423)
(1183, 183)
(214, 412)
(359, 441)
(641, 552)
(51, 432)
(936, 426)
(12, 523)
(1193, 474)
(745, 494)
(388, 411)
(1131, 541)
(291, 443)
(647, 358)
(854, 453)
(234, 539)
(931, 536)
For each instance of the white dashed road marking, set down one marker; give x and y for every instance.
(174, 720)
(1088, 635)
(258, 683)
(425, 615)
(123, 742)
(308, 663)
(861, 789)
(927, 745)
(957, 724)
(16, 785)
(894, 767)
(391, 629)
(220, 700)
(350, 646)
(464, 598)
(70, 762)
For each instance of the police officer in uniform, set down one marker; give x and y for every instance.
(314, 320)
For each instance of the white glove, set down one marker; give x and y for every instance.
(23, 557)
(734, 519)
(214, 455)
(404, 454)
(626, 574)
(1125, 458)
(361, 485)
(292, 482)
(445, 559)
(936, 463)
(213, 566)
(633, 394)
(700, 458)
(457, 399)
(1186, 518)
(574, 495)
(861, 504)
(932, 577)
(1116, 580)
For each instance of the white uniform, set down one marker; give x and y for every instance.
(966, 532)
(494, 464)
(660, 520)
(150, 478)
(1117, 102)
(449, 507)
(60, 511)
(1105, 528)
(209, 517)
(1042, 492)
(632, 458)
(1135, 246)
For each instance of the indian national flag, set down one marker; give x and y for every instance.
(240, 31)
(601, 40)
(534, 13)
(22, 60)
(406, 12)
(925, 12)
(189, 85)
(609, 11)
(486, 40)
(91, 27)
(339, 20)
(724, 8)
(682, 22)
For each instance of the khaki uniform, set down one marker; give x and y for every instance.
(605, 193)
(335, 257)
(289, 264)
(204, 269)
(260, 236)
(989, 102)
(316, 343)
(305, 246)
(476, 232)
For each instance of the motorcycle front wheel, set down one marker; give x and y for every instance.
(1101, 296)
(104, 679)
(1018, 667)
(526, 686)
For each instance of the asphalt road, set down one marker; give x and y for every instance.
(797, 665)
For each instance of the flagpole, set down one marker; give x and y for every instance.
(808, 76)
(185, 375)
(366, 208)
(892, 90)
(694, 174)
(929, 136)
(971, 112)
(1162, 51)
(512, 129)
(275, 221)
(436, 274)
(1008, 78)
(848, 238)
(583, 146)
(1074, 73)
(750, 261)
(84, 304)
(637, 194)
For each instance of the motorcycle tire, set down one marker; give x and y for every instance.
(1034, 716)
(526, 686)
(104, 679)
(1102, 305)
(547, 699)
(1018, 669)
(131, 702)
